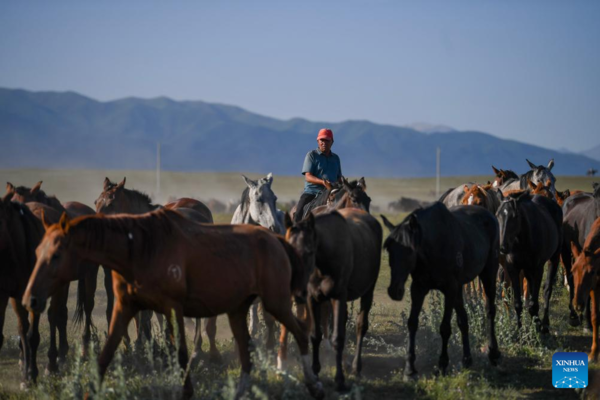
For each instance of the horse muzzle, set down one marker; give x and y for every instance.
(396, 294)
(34, 304)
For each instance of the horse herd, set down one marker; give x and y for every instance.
(172, 260)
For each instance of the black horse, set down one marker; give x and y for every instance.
(530, 235)
(580, 212)
(443, 250)
(345, 248)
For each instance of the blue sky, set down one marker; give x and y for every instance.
(522, 70)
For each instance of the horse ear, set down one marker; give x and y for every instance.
(362, 184)
(550, 165)
(387, 223)
(64, 222)
(270, 178)
(595, 185)
(530, 184)
(288, 221)
(44, 222)
(412, 221)
(121, 184)
(36, 188)
(531, 165)
(496, 171)
(566, 193)
(347, 185)
(548, 182)
(466, 189)
(107, 183)
(574, 250)
(10, 188)
(251, 184)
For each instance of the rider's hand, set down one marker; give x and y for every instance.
(327, 184)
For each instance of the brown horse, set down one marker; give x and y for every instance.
(20, 233)
(586, 281)
(167, 263)
(86, 288)
(117, 199)
(351, 195)
(503, 176)
(344, 249)
(481, 195)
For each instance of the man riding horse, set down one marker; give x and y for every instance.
(321, 168)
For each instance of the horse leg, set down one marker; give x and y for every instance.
(316, 333)
(326, 313)
(110, 294)
(210, 325)
(61, 323)
(595, 297)
(182, 354)
(239, 328)
(340, 316)
(463, 325)
(362, 326)
(270, 324)
(566, 259)
(197, 344)
(301, 313)
(3, 303)
(417, 296)
(23, 329)
(534, 279)
(90, 280)
(282, 312)
(121, 316)
(489, 286)
(445, 327)
(550, 278)
(54, 315)
(517, 299)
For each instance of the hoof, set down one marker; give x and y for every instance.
(544, 329)
(316, 390)
(592, 358)
(574, 321)
(495, 358)
(24, 386)
(411, 376)
(586, 330)
(281, 363)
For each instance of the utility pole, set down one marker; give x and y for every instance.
(157, 172)
(437, 173)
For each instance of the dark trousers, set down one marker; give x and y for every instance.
(304, 200)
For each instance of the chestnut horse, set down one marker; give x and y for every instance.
(117, 199)
(166, 263)
(484, 196)
(344, 250)
(351, 195)
(86, 288)
(580, 212)
(443, 250)
(585, 278)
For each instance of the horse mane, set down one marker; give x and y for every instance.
(41, 197)
(407, 234)
(139, 196)
(510, 174)
(156, 228)
(245, 200)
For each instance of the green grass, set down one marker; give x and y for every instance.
(525, 371)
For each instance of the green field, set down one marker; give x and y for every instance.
(525, 371)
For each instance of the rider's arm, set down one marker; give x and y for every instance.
(310, 178)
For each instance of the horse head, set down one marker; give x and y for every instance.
(112, 199)
(502, 176)
(475, 195)
(55, 265)
(560, 197)
(304, 239)
(539, 173)
(509, 219)
(541, 189)
(356, 194)
(402, 246)
(261, 203)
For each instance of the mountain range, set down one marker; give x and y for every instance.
(69, 130)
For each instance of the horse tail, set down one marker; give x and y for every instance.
(299, 277)
(80, 307)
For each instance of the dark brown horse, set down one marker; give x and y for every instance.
(443, 250)
(586, 281)
(86, 288)
(167, 263)
(117, 199)
(530, 235)
(503, 176)
(20, 233)
(345, 249)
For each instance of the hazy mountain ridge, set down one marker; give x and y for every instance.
(68, 130)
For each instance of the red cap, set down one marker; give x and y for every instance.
(325, 134)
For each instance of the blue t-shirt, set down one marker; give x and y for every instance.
(323, 167)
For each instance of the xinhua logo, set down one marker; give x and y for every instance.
(569, 370)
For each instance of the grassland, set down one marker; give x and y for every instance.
(525, 371)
